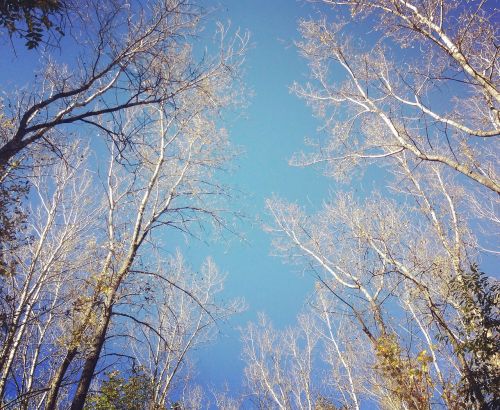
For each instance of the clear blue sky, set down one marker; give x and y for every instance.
(274, 127)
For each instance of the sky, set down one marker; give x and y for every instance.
(268, 132)
(271, 129)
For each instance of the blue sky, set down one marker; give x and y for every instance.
(268, 132)
(272, 128)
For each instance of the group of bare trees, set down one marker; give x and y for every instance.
(111, 154)
(120, 149)
(403, 317)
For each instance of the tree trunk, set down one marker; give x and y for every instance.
(91, 362)
(9, 150)
(55, 385)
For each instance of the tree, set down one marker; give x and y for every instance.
(477, 295)
(119, 393)
(181, 315)
(34, 294)
(424, 53)
(392, 268)
(91, 255)
(279, 370)
(170, 184)
(13, 192)
(126, 59)
(392, 259)
(30, 18)
(306, 366)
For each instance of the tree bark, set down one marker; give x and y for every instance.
(91, 362)
(55, 385)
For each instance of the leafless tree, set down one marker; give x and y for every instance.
(279, 365)
(344, 360)
(418, 101)
(310, 365)
(174, 313)
(170, 183)
(391, 266)
(36, 293)
(127, 55)
(426, 84)
(66, 293)
(224, 401)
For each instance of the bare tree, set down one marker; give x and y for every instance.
(392, 265)
(342, 358)
(313, 365)
(170, 184)
(428, 86)
(127, 56)
(224, 401)
(420, 101)
(35, 293)
(166, 179)
(279, 365)
(175, 312)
